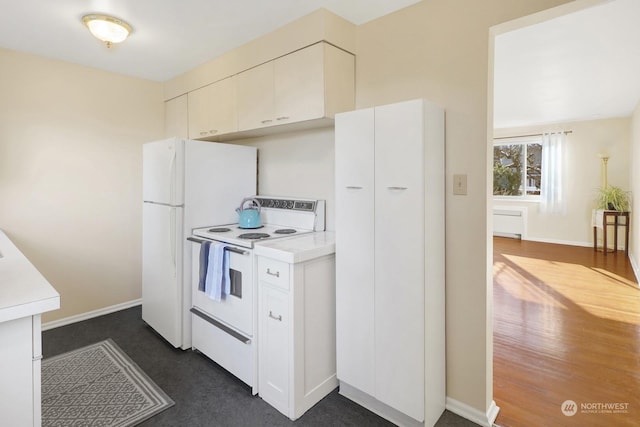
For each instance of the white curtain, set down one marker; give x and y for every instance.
(552, 188)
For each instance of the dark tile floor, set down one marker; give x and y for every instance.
(204, 393)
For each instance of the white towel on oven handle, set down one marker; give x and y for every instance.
(217, 281)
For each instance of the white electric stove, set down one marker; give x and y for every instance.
(225, 330)
(281, 217)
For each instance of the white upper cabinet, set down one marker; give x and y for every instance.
(312, 83)
(255, 97)
(303, 89)
(299, 85)
(212, 110)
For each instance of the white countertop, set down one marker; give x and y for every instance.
(298, 249)
(23, 290)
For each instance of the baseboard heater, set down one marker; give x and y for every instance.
(508, 222)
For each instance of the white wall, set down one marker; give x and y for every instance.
(70, 175)
(586, 140)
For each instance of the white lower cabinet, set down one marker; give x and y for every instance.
(296, 324)
(274, 364)
(20, 387)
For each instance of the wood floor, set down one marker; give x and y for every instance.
(566, 327)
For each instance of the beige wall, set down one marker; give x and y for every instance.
(298, 164)
(586, 140)
(438, 49)
(70, 175)
(634, 176)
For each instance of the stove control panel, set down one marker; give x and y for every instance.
(296, 205)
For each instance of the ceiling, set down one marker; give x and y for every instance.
(582, 66)
(170, 36)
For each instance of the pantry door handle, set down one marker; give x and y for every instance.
(278, 318)
(271, 273)
(397, 188)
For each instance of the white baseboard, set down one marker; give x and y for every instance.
(472, 414)
(634, 266)
(90, 315)
(377, 407)
(560, 242)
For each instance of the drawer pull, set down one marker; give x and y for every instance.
(283, 118)
(278, 318)
(353, 187)
(266, 121)
(203, 133)
(397, 188)
(213, 131)
(271, 273)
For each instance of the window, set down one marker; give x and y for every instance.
(517, 169)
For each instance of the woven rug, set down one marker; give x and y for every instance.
(98, 385)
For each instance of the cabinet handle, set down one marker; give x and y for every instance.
(397, 188)
(271, 273)
(213, 131)
(354, 187)
(203, 133)
(266, 121)
(283, 118)
(278, 318)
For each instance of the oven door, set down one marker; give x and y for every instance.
(236, 309)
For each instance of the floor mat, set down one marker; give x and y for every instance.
(98, 385)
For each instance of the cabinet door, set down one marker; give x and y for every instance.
(299, 85)
(176, 118)
(212, 110)
(399, 257)
(16, 373)
(273, 370)
(354, 163)
(255, 97)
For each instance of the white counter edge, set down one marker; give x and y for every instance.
(29, 309)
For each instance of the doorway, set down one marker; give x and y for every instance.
(528, 290)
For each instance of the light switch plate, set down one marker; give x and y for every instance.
(460, 184)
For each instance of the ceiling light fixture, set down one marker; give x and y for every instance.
(107, 28)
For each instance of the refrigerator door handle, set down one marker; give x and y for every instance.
(172, 237)
(172, 173)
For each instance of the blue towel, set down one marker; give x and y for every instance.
(217, 282)
(204, 263)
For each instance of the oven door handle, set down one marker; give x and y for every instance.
(227, 248)
(221, 326)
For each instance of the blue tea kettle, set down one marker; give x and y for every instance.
(249, 217)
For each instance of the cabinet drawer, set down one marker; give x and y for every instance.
(273, 272)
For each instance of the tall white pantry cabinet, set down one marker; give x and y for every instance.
(390, 260)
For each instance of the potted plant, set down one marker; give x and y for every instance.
(614, 199)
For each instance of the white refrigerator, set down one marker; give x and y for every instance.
(186, 184)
